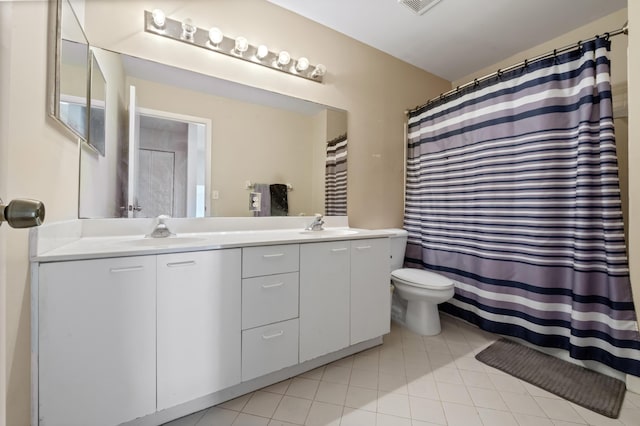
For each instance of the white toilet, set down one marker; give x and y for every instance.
(422, 289)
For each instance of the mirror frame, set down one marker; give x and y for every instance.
(96, 76)
(53, 67)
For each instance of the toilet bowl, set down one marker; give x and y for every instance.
(423, 290)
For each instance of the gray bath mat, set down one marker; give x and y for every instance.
(595, 391)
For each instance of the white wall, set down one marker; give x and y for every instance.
(99, 191)
(39, 161)
(5, 44)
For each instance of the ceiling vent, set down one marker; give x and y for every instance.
(419, 6)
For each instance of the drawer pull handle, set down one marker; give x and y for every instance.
(363, 247)
(273, 336)
(272, 285)
(269, 256)
(178, 264)
(335, 250)
(126, 269)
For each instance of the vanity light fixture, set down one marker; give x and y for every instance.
(215, 37)
(302, 64)
(242, 45)
(319, 71)
(283, 59)
(186, 31)
(262, 52)
(158, 18)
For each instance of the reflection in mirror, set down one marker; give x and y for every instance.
(70, 69)
(97, 96)
(252, 139)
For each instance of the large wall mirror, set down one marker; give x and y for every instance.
(69, 69)
(186, 144)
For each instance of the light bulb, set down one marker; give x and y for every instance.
(188, 29)
(158, 18)
(319, 71)
(241, 45)
(215, 36)
(262, 52)
(283, 58)
(302, 64)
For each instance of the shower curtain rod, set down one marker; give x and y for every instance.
(623, 30)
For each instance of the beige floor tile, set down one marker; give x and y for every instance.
(315, 374)
(393, 383)
(273, 422)
(528, 420)
(469, 363)
(451, 392)
(506, 383)
(423, 388)
(323, 414)
(559, 409)
(280, 387)
(343, 362)
(387, 420)
(461, 415)
(335, 374)
(262, 404)
(497, 418)
(476, 379)
(364, 378)
(303, 388)
(448, 375)
(487, 398)
(362, 398)
(354, 417)
(393, 404)
(595, 419)
(216, 416)
(523, 404)
(427, 410)
(368, 362)
(236, 404)
(332, 393)
(293, 410)
(244, 419)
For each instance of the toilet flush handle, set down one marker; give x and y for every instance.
(22, 213)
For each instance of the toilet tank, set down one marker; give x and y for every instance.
(398, 244)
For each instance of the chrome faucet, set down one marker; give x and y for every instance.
(316, 225)
(161, 230)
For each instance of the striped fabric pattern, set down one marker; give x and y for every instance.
(335, 182)
(512, 191)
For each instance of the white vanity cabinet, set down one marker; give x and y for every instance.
(324, 298)
(269, 309)
(199, 324)
(370, 297)
(344, 294)
(96, 341)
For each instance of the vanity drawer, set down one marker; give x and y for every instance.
(269, 348)
(269, 260)
(269, 299)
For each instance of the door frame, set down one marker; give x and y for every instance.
(207, 123)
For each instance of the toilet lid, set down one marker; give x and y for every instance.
(422, 278)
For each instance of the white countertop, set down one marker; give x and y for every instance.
(76, 240)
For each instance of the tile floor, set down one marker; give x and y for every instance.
(409, 381)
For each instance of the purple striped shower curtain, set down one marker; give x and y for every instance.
(335, 178)
(512, 191)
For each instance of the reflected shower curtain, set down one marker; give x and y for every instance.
(335, 182)
(512, 191)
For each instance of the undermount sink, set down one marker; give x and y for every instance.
(162, 242)
(330, 232)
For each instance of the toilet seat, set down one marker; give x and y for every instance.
(422, 279)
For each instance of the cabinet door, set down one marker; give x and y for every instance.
(97, 341)
(324, 298)
(198, 324)
(370, 296)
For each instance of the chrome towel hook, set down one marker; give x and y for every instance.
(22, 213)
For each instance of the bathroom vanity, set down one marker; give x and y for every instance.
(133, 330)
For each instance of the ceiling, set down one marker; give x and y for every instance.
(455, 37)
